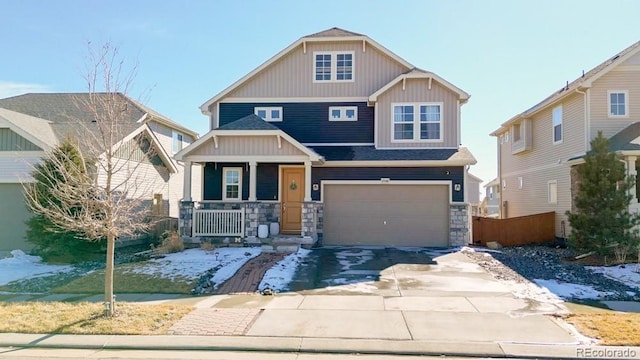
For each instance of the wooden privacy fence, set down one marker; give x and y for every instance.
(517, 231)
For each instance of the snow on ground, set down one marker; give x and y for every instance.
(571, 291)
(628, 274)
(280, 275)
(22, 266)
(192, 263)
(350, 258)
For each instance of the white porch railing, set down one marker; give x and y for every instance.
(218, 222)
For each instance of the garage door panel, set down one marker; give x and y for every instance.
(403, 215)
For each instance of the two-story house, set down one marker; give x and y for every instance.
(491, 203)
(32, 124)
(537, 148)
(334, 138)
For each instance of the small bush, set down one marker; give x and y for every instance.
(171, 243)
(207, 246)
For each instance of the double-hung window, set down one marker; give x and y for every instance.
(618, 103)
(273, 113)
(557, 124)
(417, 122)
(177, 141)
(343, 113)
(232, 184)
(333, 66)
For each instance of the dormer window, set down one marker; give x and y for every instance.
(333, 66)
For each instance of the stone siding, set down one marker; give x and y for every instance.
(311, 219)
(185, 220)
(458, 224)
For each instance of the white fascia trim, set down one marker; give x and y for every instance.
(394, 163)
(246, 158)
(162, 153)
(263, 100)
(174, 126)
(312, 155)
(337, 144)
(18, 130)
(389, 182)
(462, 95)
(204, 108)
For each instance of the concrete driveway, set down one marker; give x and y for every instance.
(400, 294)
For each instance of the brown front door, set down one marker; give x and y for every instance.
(292, 196)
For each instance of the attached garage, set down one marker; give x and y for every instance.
(391, 214)
(13, 214)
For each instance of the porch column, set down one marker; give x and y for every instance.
(307, 181)
(252, 180)
(630, 164)
(186, 190)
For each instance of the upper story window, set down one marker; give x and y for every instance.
(177, 141)
(552, 192)
(516, 133)
(343, 113)
(232, 184)
(417, 122)
(618, 103)
(269, 113)
(557, 124)
(333, 66)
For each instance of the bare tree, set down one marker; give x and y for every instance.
(107, 195)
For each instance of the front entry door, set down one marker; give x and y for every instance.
(292, 197)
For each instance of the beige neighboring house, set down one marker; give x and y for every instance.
(473, 193)
(538, 148)
(32, 124)
(490, 206)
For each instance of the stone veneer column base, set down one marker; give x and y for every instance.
(311, 220)
(458, 224)
(185, 219)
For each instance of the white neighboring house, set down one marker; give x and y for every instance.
(32, 124)
(491, 202)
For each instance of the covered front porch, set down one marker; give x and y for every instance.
(253, 174)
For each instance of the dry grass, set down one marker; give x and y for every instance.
(87, 318)
(611, 328)
(126, 282)
(171, 243)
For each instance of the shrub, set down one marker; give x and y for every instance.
(171, 243)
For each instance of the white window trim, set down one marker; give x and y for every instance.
(177, 139)
(224, 183)
(343, 113)
(626, 104)
(553, 125)
(549, 199)
(267, 110)
(416, 123)
(334, 66)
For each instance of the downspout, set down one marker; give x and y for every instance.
(499, 178)
(587, 119)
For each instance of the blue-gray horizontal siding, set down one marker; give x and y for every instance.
(455, 174)
(309, 122)
(10, 141)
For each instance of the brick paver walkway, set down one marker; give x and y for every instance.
(248, 277)
(212, 321)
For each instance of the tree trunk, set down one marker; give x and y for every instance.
(108, 277)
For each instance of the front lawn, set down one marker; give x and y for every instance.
(611, 328)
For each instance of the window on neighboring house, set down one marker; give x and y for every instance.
(516, 133)
(343, 113)
(618, 106)
(269, 113)
(232, 184)
(557, 124)
(552, 192)
(428, 122)
(177, 142)
(333, 66)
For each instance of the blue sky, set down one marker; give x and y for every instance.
(507, 54)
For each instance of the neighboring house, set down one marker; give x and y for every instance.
(337, 139)
(539, 147)
(473, 193)
(491, 202)
(32, 124)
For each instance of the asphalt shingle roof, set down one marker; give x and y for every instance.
(622, 139)
(334, 32)
(370, 153)
(249, 122)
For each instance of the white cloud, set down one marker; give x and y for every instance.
(8, 88)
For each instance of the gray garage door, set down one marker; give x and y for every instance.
(13, 214)
(386, 214)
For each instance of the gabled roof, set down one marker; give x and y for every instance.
(333, 34)
(249, 122)
(36, 130)
(146, 131)
(416, 73)
(583, 82)
(370, 153)
(250, 125)
(493, 182)
(473, 177)
(626, 139)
